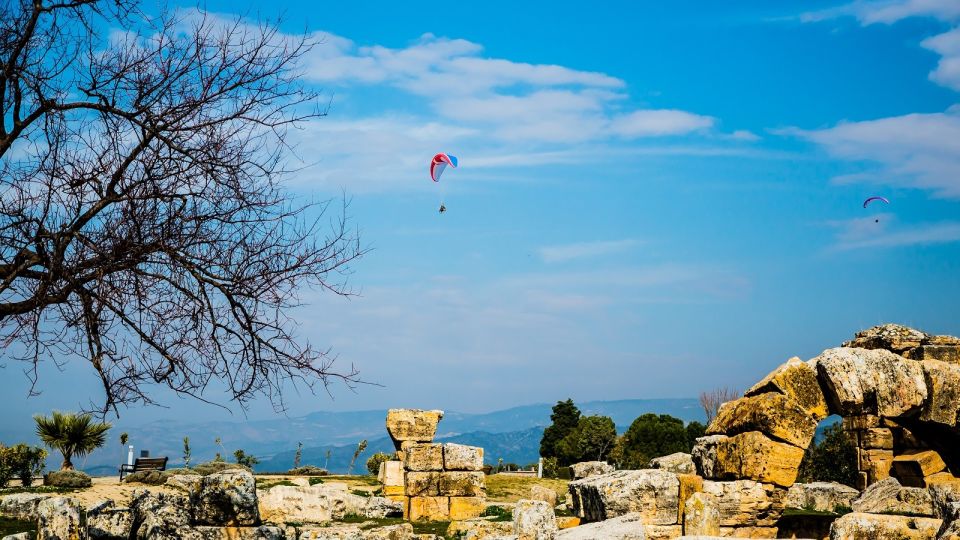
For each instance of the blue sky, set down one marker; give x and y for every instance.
(654, 199)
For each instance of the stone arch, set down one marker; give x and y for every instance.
(896, 388)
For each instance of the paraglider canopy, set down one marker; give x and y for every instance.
(439, 163)
(871, 199)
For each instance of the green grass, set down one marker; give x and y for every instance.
(499, 513)
(438, 528)
(14, 526)
(268, 483)
(314, 480)
(505, 488)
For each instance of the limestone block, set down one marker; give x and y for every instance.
(689, 484)
(460, 457)
(477, 529)
(679, 462)
(391, 473)
(889, 497)
(466, 507)
(626, 527)
(943, 383)
(61, 518)
(701, 515)
(746, 503)
(912, 469)
(774, 414)
(862, 381)
(750, 455)
(876, 438)
(821, 496)
(428, 509)
(876, 463)
(652, 493)
(857, 422)
(534, 520)
(422, 484)
(860, 526)
(543, 493)
(798, 380)
(567, 522)
(462, 484)
(423, 457)
(586, 469)
(412, 425)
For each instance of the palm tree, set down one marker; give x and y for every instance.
(72, 434)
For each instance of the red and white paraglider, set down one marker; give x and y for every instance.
(437, 165)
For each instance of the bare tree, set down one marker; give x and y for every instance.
(712, 400)
(143, 225)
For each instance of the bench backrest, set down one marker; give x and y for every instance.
(150, 464)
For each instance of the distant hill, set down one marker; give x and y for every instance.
(507, 433)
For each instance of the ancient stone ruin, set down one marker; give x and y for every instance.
(435, 482)
(898, 393)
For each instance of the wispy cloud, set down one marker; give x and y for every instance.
(568, 252)
(914, 150)
(881, 232)
(888, 11)
(947, 45)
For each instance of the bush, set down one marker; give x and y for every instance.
(308, 470)
(174, 472)
(314, 481)
(213, 467)
(21, 461)
(71, 479)
(833, 459)
(373, 464)
(152, 478)
(499, 513)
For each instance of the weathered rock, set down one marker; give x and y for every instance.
(750, 455)
(689, 484)
(460, 457)
(746, 503)
(206, 532)
(912, 469)
(652, 493)
(189, 483)
(108, 522)
(586, 469)
(428, 508)
(478, 529)
(679, 462)
(462, 484)
(19, 536)
(403, 531)
(567, 522)
(415, 425)
(774, 414)
(943, 384)
(227, 498)
(422, 484)
(67, 479)
(856, 422)
(862, 381)
(626, 527)
(61, 518)
(22, 506)
(876, 463)
(319, 503)
(861, 526)
(543, 493)
(821, 496)
(889, 497)
(157, 515)
(701, 515)
(381, 507)
(391, 473)
(423, 457)
(878, 438)
(892, 337)
(749, 532)
(534, 520)
(797, 380)
(466, 507)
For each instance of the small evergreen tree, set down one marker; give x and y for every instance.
(245, 459)
(186, 452)
(373, 464)
(565, 418)
(298, 456)
(651, 436)
(360, 448)
(591, 440)
(695, 430)
(833, 459)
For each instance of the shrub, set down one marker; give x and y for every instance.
(243, 458)
(833, 459)
(308, 470)
(499, 513)
(152, 478)
(68, 478)
(314, 481)
(373, 464)
(212, 467)
(21, 461)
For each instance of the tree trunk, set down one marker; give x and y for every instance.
(67, 465)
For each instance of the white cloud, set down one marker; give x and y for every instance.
(889, 11)
(567, 252)
(948, 68)
(914, 150)
(880, 231)
(659, 122)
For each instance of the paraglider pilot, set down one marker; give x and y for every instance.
(442, 208)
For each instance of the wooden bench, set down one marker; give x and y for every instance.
(143, 464)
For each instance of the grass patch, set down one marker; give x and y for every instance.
(37, 489)
(505, 488)
(268, 483)
(14, 526)
(498, 513)
(314, 480)
(438, 528)
(354, 480)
